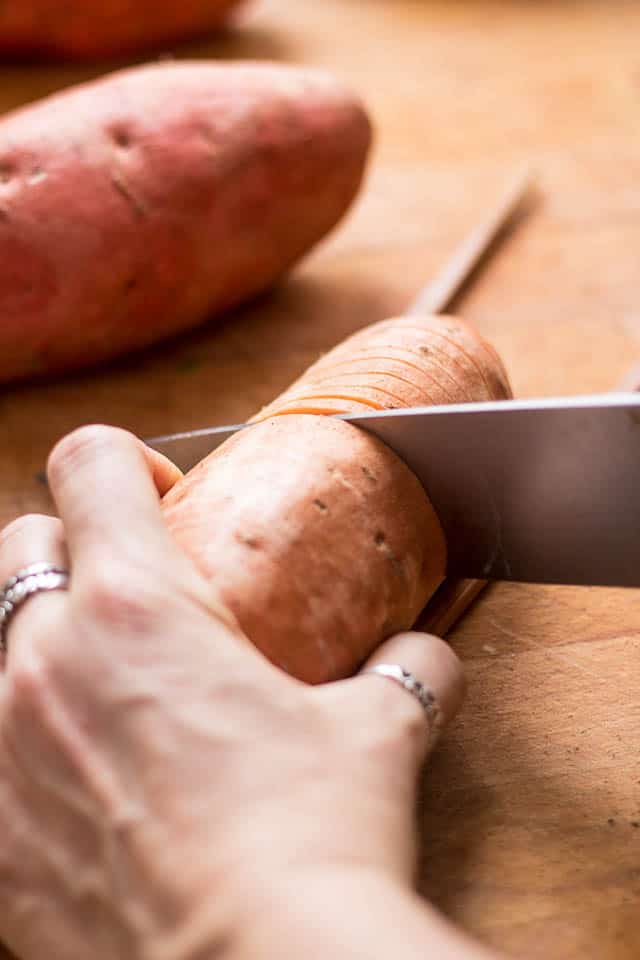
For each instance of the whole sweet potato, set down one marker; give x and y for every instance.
(86, 29)
(141, 205)
(314, 533)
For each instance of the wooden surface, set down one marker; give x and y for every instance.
(532, 804)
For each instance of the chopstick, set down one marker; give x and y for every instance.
(456, 273)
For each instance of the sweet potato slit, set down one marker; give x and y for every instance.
(350, 547)
(400, 360)
(374, 374)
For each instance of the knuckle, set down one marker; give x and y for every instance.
(117, 599)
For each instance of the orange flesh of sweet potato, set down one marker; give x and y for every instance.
(314, 533)
(85, 29)
(139, 206)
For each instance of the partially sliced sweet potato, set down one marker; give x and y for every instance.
(314, 533)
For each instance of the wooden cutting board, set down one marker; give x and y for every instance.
(531, 807)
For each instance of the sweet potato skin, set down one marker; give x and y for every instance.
(314, 533)
(141, 205)
(92, 29)
(309, 528)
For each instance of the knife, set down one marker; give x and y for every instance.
(541, 491)
(454, 596)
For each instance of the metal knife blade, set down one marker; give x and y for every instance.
(542, 491)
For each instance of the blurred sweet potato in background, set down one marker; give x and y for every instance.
(94, 29)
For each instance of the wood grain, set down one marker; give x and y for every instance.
(530, 804)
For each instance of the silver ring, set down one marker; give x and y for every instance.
(24, 584)
(412, 685)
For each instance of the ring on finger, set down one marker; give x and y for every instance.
(425, 697)
(36, 578)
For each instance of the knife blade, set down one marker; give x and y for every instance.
(541, 491)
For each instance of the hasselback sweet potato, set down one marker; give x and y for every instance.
(140, 205)
(314, 533)
(87, 29)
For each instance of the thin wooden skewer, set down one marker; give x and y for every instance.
(438, 295)
(455, 597)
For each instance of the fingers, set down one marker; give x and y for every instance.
(434, 664)
(380, 706)
(28, 540)
(385, 733)
(107, 485)
(31, 539)
(163, 471)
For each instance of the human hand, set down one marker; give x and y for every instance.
(157, 774)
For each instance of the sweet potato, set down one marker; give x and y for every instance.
(315, 534)
(141, 205)
(90, 29)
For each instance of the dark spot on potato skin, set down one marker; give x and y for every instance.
(369, 475)
(122, 138)
(209, 137)
(37, 175)
(248, 540)
(396, 565)
(321, 506)
(126, 193)
(380, 541)
(7, 171)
